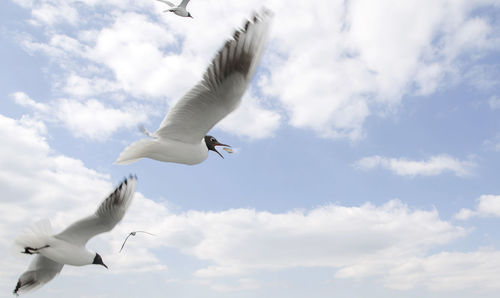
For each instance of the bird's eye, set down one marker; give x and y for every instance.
(212, 139)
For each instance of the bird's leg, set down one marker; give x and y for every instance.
(30, 250)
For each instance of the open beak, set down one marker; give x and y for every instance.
(220, 144)
(218, 153)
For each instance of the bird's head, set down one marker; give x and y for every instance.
(98, 260)
(211, 142)
(189, 15)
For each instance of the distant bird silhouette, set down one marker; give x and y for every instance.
(179, 10)
(133, 234)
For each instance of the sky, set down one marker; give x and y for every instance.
(367, 148)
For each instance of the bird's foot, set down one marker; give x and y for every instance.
(30, 250)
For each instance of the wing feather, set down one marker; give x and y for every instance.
(108, 214)
(222, 86)
(184, 3)
(167, 2)
(40, 271)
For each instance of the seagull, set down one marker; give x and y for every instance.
(133, 234)
(181, 137)
(179, 10)
(68, 247)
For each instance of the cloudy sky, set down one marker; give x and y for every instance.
(367, 148)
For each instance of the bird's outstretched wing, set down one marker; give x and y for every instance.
(167, 2)
(109, 213)
(184, 3)
(40, 271)
(125, 241)
(222, 86)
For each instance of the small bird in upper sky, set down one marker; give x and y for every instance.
(179, 10)
(68, 247)
(181, 137)
(133, 234)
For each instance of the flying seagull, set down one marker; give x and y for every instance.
(68, 247)
(181, 137)
(179, 10)
(133, 234)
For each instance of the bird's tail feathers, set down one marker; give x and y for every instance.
(35, 237)
(137, 150)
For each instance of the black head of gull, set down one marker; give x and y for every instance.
(211, 142)
(98, 260)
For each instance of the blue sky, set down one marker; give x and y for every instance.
(366, 148)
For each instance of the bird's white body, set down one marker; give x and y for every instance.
(63, 252)
(180, 11)
(166, 150)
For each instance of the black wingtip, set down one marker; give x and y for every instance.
(247, 24)
(236, 34)
(255, 18)
(18, 286)
(126, 179)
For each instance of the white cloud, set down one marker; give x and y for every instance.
(464, 214)
(242, 241)
(234, 285)
(94, 120)
(373, 53)
(33, 175)
(488, 206)
(483, 77)
(492, 143)
(132, 49)
(435, 165)
(250, 120)
(242, 284)
(24, 100)
(50, 14)
(494, 102)
(82, 87)
(445, 271)
(89, 119)
(389, 242)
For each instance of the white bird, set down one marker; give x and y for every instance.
(179, 10)
(68, 247)
(181, 137)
